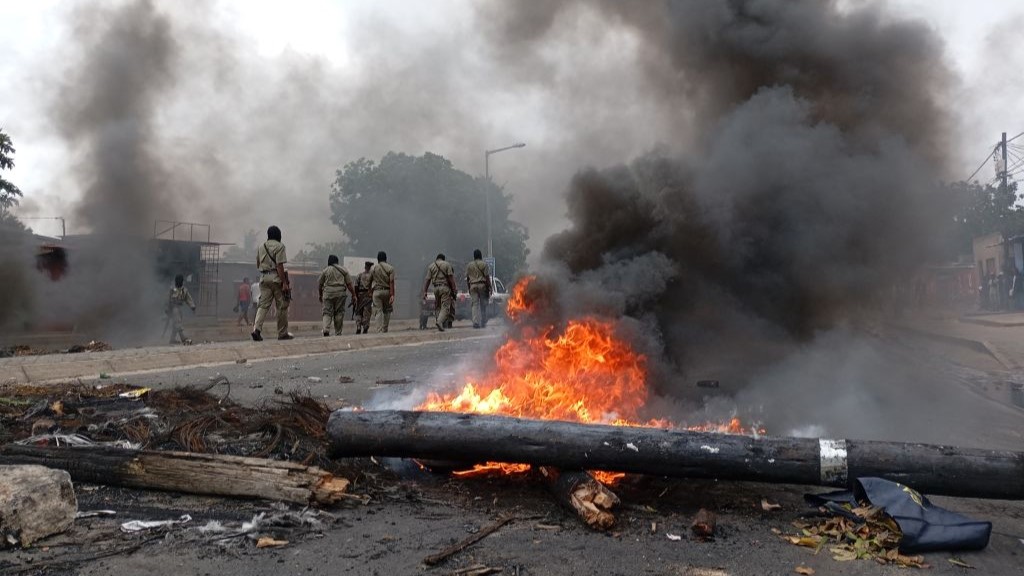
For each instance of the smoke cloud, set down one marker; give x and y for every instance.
(798, 192)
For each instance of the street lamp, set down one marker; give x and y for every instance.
(487, 193)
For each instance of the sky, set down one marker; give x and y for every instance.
(979, 36)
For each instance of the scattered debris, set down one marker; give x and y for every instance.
(385, 382)
(806, 571)
(92, 346)
(958, 562)
(179, 419)
(769, 506)
(707, 383)
(35, 501)
(241, 361)
(475, 570)
(104, 376)
(867, 533)
(345, 380)
(436, 559)
(704, 524)
(94, 513)
(268, 542)
(673, 537)
(143, 525)
(314, 379)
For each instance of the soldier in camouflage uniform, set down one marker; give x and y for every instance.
(179, 297)
(333, 282)
(364, 300)
(382, 278)
(441, 275)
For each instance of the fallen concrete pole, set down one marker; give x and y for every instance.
(186, 472)
(933, 469)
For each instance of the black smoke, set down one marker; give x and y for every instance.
(797, 192)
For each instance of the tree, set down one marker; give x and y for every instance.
(979, 210)
(9, 193)
(414, 207)
(317, 253)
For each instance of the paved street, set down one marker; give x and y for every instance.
(915, 392)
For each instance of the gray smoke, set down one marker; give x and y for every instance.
(107, 112)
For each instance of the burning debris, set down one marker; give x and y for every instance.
(580, 372)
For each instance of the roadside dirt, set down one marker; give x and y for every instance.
(414, 514)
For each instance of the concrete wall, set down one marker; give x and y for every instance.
(989, 254)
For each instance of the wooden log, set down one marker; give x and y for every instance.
(704, 524)
(186, 472)
(929, 468)
(581, 493)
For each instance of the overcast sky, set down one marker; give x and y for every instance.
(981, 39)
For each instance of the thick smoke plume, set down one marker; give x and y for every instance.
(797, 194)
(107, 112)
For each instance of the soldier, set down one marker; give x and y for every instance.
(274, 286)
(364, 299)
(442, 276)
(478, 278)
(382, 283)
(179, 296)
(333, 282)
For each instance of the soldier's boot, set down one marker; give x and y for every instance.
(256, 336)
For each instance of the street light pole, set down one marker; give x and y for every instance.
(487, 192)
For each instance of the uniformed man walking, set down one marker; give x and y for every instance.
(333, 282)
(274, 286)
(382, 280)
(179, 297)
(478, 278)
(364, 299)
(441, 275)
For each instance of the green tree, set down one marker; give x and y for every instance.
(416, 206)
(9, 193)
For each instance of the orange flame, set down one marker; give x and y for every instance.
(582, 374)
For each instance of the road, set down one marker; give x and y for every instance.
(413, 513)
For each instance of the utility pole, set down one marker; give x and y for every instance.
(487, 191)
(1005, 165)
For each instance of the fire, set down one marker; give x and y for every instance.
(517, 303)
(583, 373)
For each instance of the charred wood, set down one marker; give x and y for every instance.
(581, 493)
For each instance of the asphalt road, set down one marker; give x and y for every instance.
(412, 514)
(373, 377)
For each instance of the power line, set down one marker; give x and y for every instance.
(983, 162)
(1015, 137)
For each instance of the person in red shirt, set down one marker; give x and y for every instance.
(244, 299)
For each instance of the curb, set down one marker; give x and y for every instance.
(60, 368)
(990, 323)
(981, 346)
